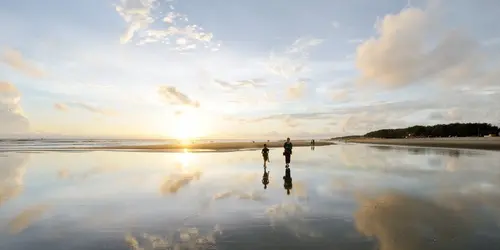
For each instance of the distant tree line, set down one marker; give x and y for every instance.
(439, 130)
(346, 137)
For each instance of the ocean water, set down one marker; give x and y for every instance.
(344, 196)
(70, 144)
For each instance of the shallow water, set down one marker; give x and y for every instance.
(341, 197)
(9, 145)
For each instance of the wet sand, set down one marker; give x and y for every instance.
(486, 143)
(215, 146)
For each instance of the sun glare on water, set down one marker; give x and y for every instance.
(185, 158)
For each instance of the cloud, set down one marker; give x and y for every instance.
(301, 45)
(60, 107)
(340, 94)
(15, 60)
(12, 172)
(137, 14)
(293, 60)
(298, 90)
(83, 106)
(173, 183)
(448, 115)
(26, 218)
(401, 55)
(491, 42)
(336, 24)
(255, 82)
(169, 27)
(11, 113)
(182, 238)
(355, 41)
(173, 96)
(402, 222)
(255, 196)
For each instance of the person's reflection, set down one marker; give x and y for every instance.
(265, 178)
(312, 148)
(288, 181)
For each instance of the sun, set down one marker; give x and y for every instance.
(187, 126)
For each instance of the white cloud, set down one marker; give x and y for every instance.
(293, 60)
(255, 82)
(339, 94)
(298, 90)
(11, 114)
(15, 60)
(355, 41)
(137, 14)
(301, 45)
(336, 24)
(451, 115)
(491, 42)
(173, 96)
(170, 28)
(83, 106)
(60, 106)
(401, 55)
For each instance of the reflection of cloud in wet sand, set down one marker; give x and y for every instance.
(26, 217)
(292, 217)
(184, 238)
(12, 169)
(401, 222)
(173, 183)
(255, 196)
(66, 173)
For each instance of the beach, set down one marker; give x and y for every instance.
(108, 200)
(486, 143)
(208, 146)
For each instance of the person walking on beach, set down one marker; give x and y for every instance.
(288, 151)
(265, 154)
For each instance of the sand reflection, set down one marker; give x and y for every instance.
(173, 183)
(291, 216)
(399, 222)
(183, 238)
(12, 170)
(26, 218)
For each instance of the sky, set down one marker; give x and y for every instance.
(192, 68)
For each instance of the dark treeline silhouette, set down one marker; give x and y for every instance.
(439, 130)
(346, 137)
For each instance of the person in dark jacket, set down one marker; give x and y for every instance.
(265, 154)
(288, 151)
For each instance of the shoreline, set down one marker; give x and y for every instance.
(210, 147)
(481, 143)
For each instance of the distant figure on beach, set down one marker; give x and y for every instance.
(313, 142)
(265, 154)
(288, 181)
(265, 178)
(288, 151)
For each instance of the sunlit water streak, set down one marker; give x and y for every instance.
(341, 197)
